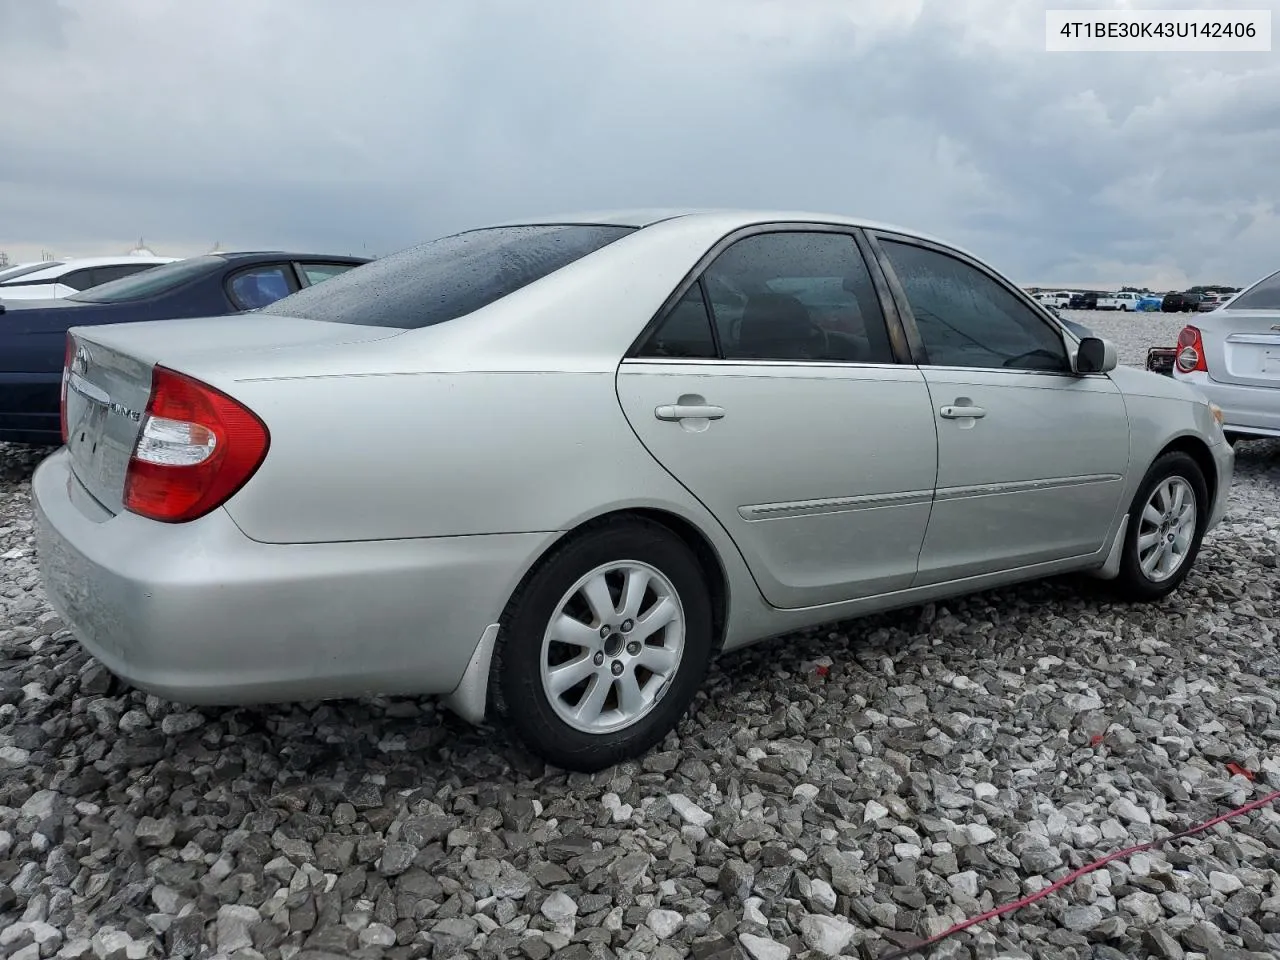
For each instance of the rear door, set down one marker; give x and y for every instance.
(770, 386)
(1031, 457)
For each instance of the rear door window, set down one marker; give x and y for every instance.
(797, 295)
(447, 278)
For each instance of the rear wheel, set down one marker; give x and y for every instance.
(603, 649)
(1166, 524)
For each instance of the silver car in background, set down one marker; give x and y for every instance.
(549, 470)
(1232, 355)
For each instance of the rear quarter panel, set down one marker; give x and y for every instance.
(445, 454)
(1160, 410)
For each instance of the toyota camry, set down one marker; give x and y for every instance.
(549, 470)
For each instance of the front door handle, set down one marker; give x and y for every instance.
(960, 413)
(688, 411)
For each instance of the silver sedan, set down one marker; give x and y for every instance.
(549, 470)
(1232, 356)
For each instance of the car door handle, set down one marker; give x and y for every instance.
(960, 413)
(688, 411)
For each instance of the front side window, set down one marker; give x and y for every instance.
(1263, 295)
(797, 295)
(260, 286)
(967, 319)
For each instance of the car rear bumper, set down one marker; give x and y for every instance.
(1253, 411)
(199, 613)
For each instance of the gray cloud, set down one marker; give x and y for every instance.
(333, 126)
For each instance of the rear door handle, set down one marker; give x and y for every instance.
(960, 413)
(687, 411)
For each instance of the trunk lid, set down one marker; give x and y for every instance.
(109, 381)
(1242, 346)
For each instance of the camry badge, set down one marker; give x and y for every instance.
(120, 410)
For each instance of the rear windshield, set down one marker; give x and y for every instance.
(148, 283)
(446, 278)
(13, 273)
(1263, 295)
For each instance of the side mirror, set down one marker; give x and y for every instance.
(1095, 355)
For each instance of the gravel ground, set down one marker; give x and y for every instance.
(835, 794)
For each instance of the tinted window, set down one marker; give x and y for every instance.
(317, 272)
(161, 279)
(1263, 295)
(13, 273)
(446, 278)
(77, 279)
(260, 286)
(686, 331)
(967, 319)
(116, 271)
(797, 296)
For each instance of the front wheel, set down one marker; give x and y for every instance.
(1166, 524)
(603, 649)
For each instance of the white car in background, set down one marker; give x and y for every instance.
(1059, 299)
(61, 278)
(1232, 355)
(1123, 300)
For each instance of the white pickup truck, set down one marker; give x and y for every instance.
(1124, 300)
(1060, 299)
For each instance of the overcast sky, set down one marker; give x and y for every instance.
(346, 127)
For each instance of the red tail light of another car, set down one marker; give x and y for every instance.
(1191, 351)
(196, 448)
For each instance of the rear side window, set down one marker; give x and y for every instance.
(78, 279)
(447, 278)
(1263, 295)
(685, 333)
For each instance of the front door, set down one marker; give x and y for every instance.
(771, 392)
(1031, 457)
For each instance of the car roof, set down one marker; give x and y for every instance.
(230, 255)
(733, 218)
(77, 263)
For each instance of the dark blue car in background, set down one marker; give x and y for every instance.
(33, 333)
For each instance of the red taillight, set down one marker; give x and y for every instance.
(66, 375)
(196, 448)
(1191, 351)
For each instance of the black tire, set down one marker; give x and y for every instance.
(1134, 585)
(516, 686)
